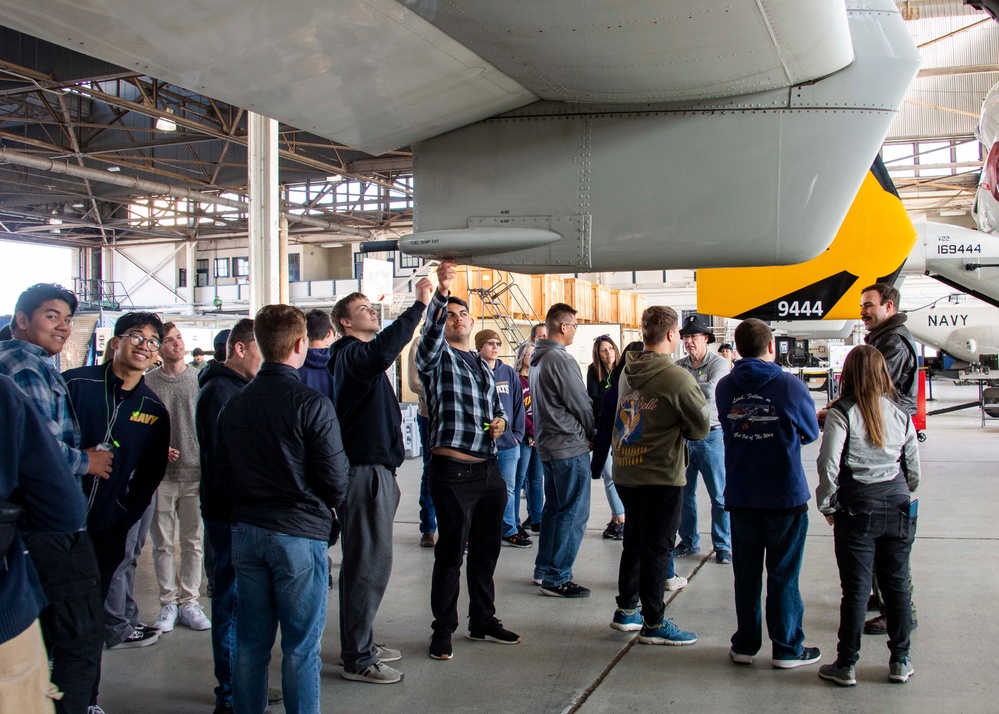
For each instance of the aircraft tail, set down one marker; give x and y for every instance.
(874, 240)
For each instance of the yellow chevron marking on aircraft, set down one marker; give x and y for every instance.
(872, 243)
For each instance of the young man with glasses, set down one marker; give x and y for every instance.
(66, 565)
(118, 411)
(563, 432)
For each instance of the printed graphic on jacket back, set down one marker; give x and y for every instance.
(752, 417)
(628, 427)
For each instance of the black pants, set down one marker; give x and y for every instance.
(652, 517)
(470, 499)
(109, 547)
(73, 621)
(874, 535)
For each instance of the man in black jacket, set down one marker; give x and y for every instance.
(887, 333)
(369, 412)
(280, 455)
(221, 381)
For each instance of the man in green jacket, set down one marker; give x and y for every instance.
(659, 405)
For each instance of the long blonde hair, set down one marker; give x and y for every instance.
(865, 380)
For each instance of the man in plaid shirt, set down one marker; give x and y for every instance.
(66, 564)
(468, 491)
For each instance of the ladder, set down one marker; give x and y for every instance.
(493, 304)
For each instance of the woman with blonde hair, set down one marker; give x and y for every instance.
(868, 465)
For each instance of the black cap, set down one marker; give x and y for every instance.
(726, 346)
(219, 343)
(693, 325)
(197, 352)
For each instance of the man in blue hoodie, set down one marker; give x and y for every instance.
(319, 328)
(766, 415)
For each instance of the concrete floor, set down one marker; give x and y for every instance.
(570, 660)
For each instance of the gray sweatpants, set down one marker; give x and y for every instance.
(366, 515)
(121, 613)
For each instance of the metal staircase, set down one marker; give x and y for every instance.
(494, 305)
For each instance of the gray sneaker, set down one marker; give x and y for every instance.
(843, 676)
(377, 673)
(900, 671)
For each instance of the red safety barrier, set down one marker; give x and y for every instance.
(919, 420)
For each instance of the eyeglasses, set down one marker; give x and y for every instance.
(137, 339)
(569, 324)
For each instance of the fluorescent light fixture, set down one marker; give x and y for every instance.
(336, 178)
(114, 169)
(55, 221)
(165, 124)
(953, 212)
(77, 205)
(331, 245)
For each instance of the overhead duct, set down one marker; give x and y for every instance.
(162, 189)
(928, 9)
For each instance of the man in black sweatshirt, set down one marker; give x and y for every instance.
(368, 409)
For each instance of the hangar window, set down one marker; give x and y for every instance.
(221, 267)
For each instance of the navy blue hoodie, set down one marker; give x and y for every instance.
(218, 385)
(366, 404)
(766, 415)
(314, 371)
(140, 425)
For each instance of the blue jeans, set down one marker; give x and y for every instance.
(508, 460)
(563, 519)
(281, 579)
(707, 456)
(779, 541)
(428, 516)
(613, 500)
(530, 476)
(224, 598)
(874, 533)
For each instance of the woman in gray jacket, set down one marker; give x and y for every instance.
(868, 464)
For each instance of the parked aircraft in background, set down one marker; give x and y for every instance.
(638, 134)
(963, 328)
(986, 209)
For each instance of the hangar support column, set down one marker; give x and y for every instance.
(264, 212)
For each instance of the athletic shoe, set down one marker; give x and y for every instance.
(677, 582)
(843, 676)
(626, 620)
(440, 645)
(610, 532)
(194, 617)
(536, 581)
(740, 658)
(377, 673)
(493, 631)
(167, 619)
(900, 670)
(876, 626)
(665, 633)
(517, 541)
(723, 557)
(138, 638)
(566, 589)
(683, 551)
(385, 654)
(809, 655)
(428, 540)
(95, 709)
(533, 525)
(619, 535)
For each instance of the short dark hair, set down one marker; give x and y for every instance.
(534, 330)
(32, 298)
(752, 337)
(886, 291)
(341, 311)
(131, 320)
(656, 322)
(452, 300)
(317, 325)
(277, 328)
(242, 332)
(556, 315)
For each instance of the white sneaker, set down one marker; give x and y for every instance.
(677, 582)
(167, 619)
(95, 709)
(193, 616)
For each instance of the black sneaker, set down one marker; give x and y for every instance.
(610, 531)
(517, 541)
(809, 655)
(566, 589)
(535, 527)
(440, 645)
(619, 532)
(494, 631)
(138, 638)
(523, 531)
(876, 626)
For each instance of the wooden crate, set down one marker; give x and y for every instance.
(626, 309)
(602, 311)
(615, 306)
(641, 303)
(579, 294)
(523, 310)
(546, 290)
